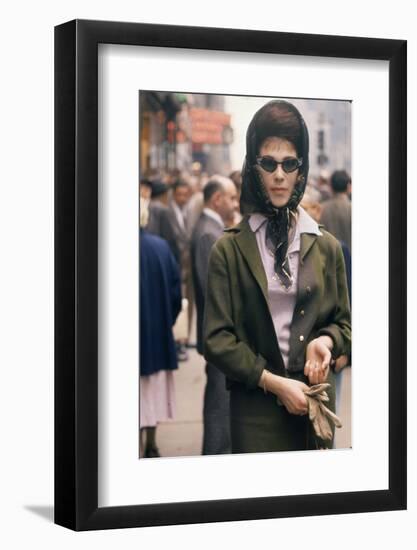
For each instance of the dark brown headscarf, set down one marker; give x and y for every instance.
(275, 119)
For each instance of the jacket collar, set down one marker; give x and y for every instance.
(306, 224)
(309, 230)
(246, 241)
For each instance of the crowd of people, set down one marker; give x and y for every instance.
(263, 257)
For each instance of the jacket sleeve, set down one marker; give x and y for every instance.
(340, 328)
(222, 348)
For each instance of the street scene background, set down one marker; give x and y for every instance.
(188, 138)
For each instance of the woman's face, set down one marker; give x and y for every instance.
(278, 184)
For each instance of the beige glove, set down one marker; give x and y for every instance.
(320, 416)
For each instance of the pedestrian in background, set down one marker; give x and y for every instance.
(323, 186)
(156, 194)
(181, 193)
(160, 303)
(336, 213)
(236, 177)
(220, 204)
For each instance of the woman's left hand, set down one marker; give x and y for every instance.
(318, 357)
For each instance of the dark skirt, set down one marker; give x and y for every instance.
(259, 424)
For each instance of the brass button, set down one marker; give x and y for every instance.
(301, 338)
(302, 312)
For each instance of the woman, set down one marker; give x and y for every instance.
(160, 303)
(277, 310)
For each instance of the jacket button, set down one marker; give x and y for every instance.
(302, 312)
(301, 338)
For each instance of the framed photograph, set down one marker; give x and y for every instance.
(157, 127)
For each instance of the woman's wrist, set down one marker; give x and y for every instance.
(270, 382)
(262, 380)
(326, 340)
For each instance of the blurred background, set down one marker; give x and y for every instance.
(185, 139)
(205, 133)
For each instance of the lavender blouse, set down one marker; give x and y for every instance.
(282, 301)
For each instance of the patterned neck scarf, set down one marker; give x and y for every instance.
(277, 236)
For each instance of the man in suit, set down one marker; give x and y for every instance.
(336, 214)
(180, 245)
(160, 221)
(220, 204)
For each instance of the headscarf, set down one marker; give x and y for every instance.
(277, 118)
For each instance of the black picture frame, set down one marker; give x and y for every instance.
(76, 272)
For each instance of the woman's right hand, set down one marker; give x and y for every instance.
(289, 391)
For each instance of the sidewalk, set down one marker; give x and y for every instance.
(183, 436)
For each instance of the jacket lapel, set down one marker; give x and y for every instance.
(307, 241)
(246, 241)
(307, 272)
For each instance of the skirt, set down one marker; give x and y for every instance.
(259, 424)
(156, 398)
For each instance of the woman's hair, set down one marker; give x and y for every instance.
(279, 120)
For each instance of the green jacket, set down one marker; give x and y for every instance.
(239, 335)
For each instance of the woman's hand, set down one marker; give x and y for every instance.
(292, 396)
(289, 391)
(318, 357)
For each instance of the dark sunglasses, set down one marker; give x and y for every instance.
(269, 164)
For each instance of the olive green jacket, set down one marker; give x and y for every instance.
(239, 336)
